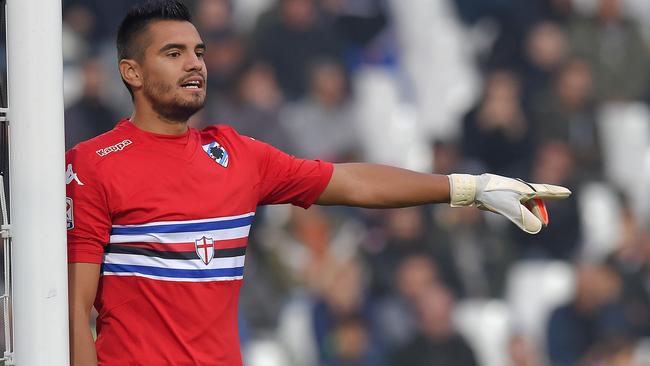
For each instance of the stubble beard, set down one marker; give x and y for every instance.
(169, 105)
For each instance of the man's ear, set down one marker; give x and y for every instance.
(131, 73)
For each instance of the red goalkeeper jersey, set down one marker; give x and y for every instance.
(168, 218)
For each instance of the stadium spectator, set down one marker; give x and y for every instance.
(322, 124)
(342, 319)
(614, 48)
(107, 16)
(497, 133)
(546, 49)
(78, 28)
(631, 260)
(89, 116)
(593, 315)
(473, 256)
(226, 57)
(253, 107)
(358, 24)
(437, 343)
(568, 113)
(393, 313)
(405, 234)
(291, 38)
(214, 17)
(516, 21)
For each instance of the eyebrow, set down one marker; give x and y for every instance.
(179, 46)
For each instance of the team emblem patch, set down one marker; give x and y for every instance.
(217, 153)
(204, 249)
(69, 214)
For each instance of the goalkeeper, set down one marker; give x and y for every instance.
(160, 212)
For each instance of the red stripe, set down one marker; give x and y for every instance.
(189, 247)
(182, 247)
(232, 243)
(542, 210)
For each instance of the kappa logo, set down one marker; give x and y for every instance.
(70, 176)
(69, 213)
(113, 148)
(217, 153)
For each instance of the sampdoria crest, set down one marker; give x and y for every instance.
(217, 153)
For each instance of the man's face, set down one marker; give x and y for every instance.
(173, 71)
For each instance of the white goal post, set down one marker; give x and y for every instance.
(37, 188)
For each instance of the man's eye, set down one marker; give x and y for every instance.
(174, 54)
(200, 54)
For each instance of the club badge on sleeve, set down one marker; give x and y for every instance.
(69, 214)
(217, 153)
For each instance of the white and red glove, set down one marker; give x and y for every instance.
(521, 202)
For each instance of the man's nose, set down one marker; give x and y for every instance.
(194, 63)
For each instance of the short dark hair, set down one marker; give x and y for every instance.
(136, 21)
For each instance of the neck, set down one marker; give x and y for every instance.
(146, 119)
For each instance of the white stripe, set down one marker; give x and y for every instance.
(190, 221)
(141, 260)
(172, 279)
(186, 237)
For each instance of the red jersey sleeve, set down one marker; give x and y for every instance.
(88, 215)
(283, 178)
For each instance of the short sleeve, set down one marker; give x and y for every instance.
(286, 179)
(87, 211)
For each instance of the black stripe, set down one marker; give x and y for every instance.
(229, 252)
(123, 249)
(127, 249)
(528, 184)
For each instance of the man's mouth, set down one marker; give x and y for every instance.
(195, 82)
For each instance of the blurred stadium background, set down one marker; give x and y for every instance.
(555, 91)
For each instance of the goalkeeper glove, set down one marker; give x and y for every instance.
(521, 202)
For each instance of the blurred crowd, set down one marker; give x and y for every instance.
(553, 91)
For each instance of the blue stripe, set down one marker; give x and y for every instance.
(184, 228)
(174, 273)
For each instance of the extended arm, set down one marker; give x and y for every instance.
(82, 287)
(380, 186)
